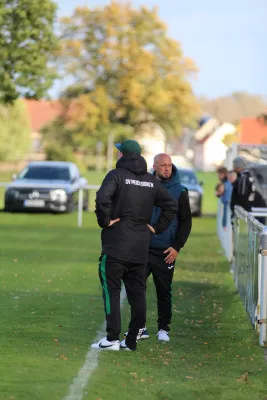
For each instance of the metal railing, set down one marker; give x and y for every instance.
(81, 190)
(80, 201)
(245, 244)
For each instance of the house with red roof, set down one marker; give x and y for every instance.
(209, 147)
(253, 131)
(41, 113)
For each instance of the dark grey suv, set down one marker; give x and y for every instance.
(46, 186)
(189, 180)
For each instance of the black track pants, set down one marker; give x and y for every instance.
(111, 273)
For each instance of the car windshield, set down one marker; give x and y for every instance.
(45, 173)
(188, 177)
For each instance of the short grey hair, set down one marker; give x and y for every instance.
(240, 162)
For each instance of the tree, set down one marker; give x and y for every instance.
(125, 71)
(15, 139)
(26, 43)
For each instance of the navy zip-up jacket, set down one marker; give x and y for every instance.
(179, 229)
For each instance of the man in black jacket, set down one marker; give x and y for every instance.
(245, 193)
(124, 205)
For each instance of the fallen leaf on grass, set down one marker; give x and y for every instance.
(189, 377)
(243, 378)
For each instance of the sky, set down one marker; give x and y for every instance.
(226, 39)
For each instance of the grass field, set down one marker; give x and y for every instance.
(51, 309)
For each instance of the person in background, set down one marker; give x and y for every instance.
(224, 192)
(124, 205)
(222, 174)
(220, 193)
(244, 189)
(232, 176)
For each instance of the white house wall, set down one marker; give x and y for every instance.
(199, 157)
(153, 142)
(214, 148)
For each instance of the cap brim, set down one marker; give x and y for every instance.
(118, 146)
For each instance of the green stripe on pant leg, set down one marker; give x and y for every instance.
(105, 284)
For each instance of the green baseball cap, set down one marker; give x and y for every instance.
(129, 147)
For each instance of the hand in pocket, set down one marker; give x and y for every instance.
(113, 221)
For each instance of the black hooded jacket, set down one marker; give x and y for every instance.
(129, 192)
(245, 193)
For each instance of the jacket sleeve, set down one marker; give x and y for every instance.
(168, 205)
(234, 197)
(227, 192)
(185, 221)
(104, 198)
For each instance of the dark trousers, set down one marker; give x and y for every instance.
(111, 273)
(162, 275)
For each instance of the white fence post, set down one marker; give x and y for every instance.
(225, 235)
(80, 207)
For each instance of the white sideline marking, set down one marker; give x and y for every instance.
(91, 362)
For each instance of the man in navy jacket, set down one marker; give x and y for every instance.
(165, 247)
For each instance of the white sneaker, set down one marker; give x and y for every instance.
(105, 344)
(163, 336)
(124, 346)
(142, 334)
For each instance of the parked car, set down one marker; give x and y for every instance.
(48, 186)
(195, 191)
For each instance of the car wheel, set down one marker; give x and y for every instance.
(199, 212)
(7, 209)
(85, 203)
(70, 206)
(85, 207)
